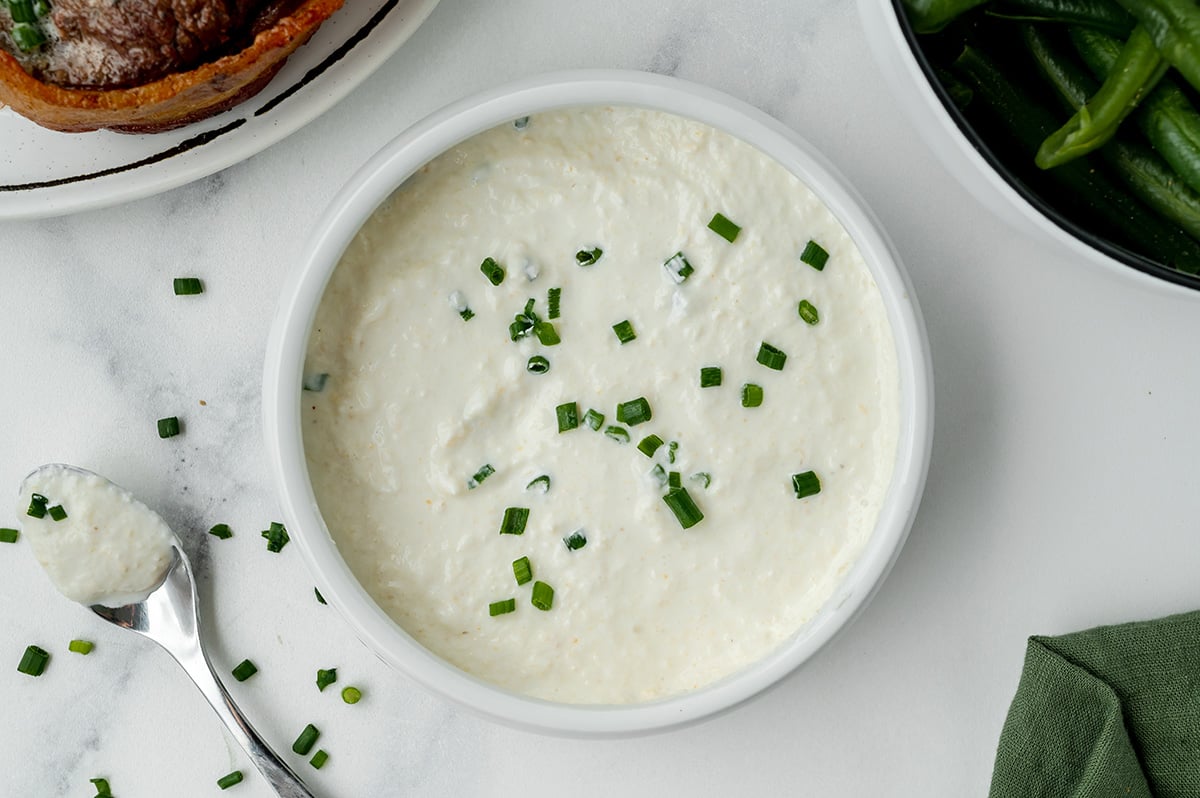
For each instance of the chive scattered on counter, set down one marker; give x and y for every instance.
(539, 483)
(771, 357)
(634, 412)
(659, 474)
(230, 779)
(649, 445)
(319, 758)
(808, 312)
(678, 267)
(57, 512)
(8, 535)
(221, 531)
(806, 484)
(320, 598)
(543, 596)
(277, 537)
(672, 447)
(306, 740)
(314, 383)
(537, 365)
(553, 301)
(568, 416)
(479, 476)
(33, 661)
(685, 510)
(514, 521)
(702, 477)
(83, 647)
(188, 286)
(576, 540)
(502, 607)
(618, 434)
(624, 331)
(244, 670)
(352, 695)
(586, 257)
(326, 677)
(724, 228)
(674, 480)
(37, 506)
(593, 419)
(546, 334)
(168, 427)
(752, 395)
(493, 271)
(814, 255)
(522, 570)
(710, 376)
(102, 788)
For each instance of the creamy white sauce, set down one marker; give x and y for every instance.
(417, 400)
(110, 549)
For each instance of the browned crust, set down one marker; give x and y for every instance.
(170, 102)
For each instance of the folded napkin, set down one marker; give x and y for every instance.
(1112, 711)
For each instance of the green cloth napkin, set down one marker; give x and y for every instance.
(1112, 711)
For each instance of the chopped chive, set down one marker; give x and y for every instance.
(230, 779)
(539, 483)
(624, 331)
(576, 540)
(593, 419)
(325, 678)
(320, 598)
(814, 255)
(659, 474)
(649, 445)
(33, 661)
(806, 484)
(678, 267)
(187, 286)
(502, 607)
(543, 596)
(634, 412)
(102, 788)
(771, 357)
(57, 512)
(305, 741)
(479, 476)
(710, 376)
(221, 531)
(319, 759)
(520, 327)
(83, 647)
(37, 506)
(514, 521)
(277, 537)
(521, 122)
(8, 535)
(466, 314)
(702, 476)
(168, 427)
(686, 511)
(586, 257)
(352, 695)
(724, 228)
(546, 334)
(618, 434)
(522, 570)
(27, 36)
(22, 10)
(568, 416)
(672, 447)
(314, 383)
(752, 395)
(553, 300)
(244, 670)
(674, 480)
(458, 303)
(528, 311)
(537, 365)
(493, 271)
(808, 312)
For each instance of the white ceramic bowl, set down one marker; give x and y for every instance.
(890, 44)
(386, 171)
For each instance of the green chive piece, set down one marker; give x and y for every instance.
(539, 483)
(479, 476)
(21, 10)
(814, 255)
(102, 788)
(808, 312)
(314, 383)
(674, 480)
(702, 477)
(466, 314)
(806, 484)
(649, 445)
(686, 511)
(502, 607)
(8, 535)
(568, 416)
(672, 447)
(57, 512)
(576, 540)
(277, 537)
(659, 474)
(752, 395)
(771, 357)
(320, 598)
(37, 506)
(493, 271)
(319, 759)
(83, 647)
(27, 36)
(188, 286)
(710, 376)
(546, 334)
(230, 779)
(168, 427)
(458, 303)
(352, 695)
(624, 331)
(543, 596)
(244, 670)
(537, 365)
(586, 257)
(593, 419)
(678, 267)
(634, 412)
(522, 570)
(618, 434)
(326, 678)
(514, 521)
(305, 741)
(553, 300)
(33, 661)
(724, 228)
(221, 531)
(519, 328)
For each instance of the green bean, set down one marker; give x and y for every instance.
(1174, 25)
(1138, 68)
(1103, 15)
(930, 16)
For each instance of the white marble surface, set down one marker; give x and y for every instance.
(1061, 495)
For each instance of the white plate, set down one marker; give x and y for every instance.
(44, 173)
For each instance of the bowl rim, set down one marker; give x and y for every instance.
(384, 172)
